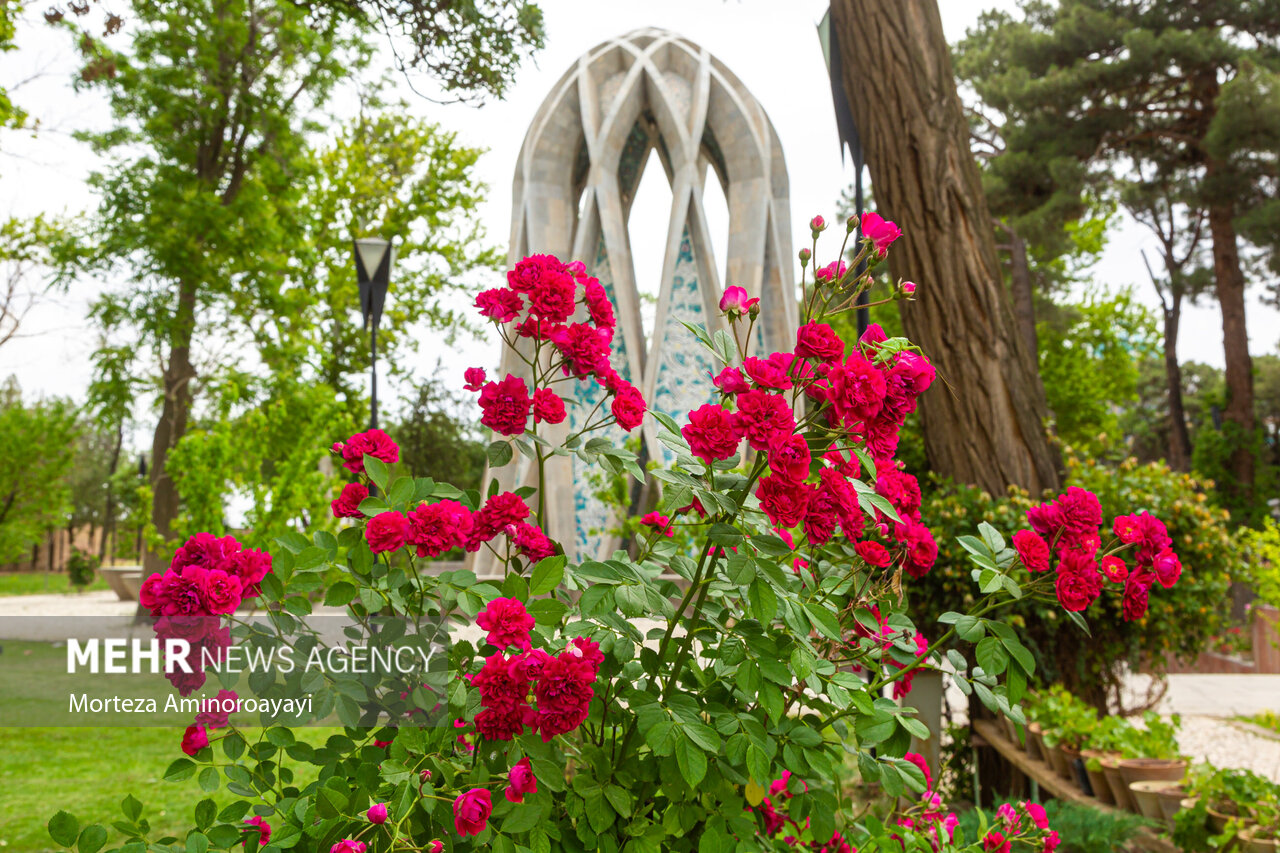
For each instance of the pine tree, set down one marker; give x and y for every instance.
(1123, 85)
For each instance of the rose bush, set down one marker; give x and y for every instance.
(707, 699)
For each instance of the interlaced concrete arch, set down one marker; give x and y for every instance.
(579, 168)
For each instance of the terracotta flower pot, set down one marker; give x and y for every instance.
(1250, 844)
(1097, 779)
(1144, 794)
(1035, 743)
(1119, 790)
(1062, 764)
(1071, 756)
(1152, 769)
(1171, 798)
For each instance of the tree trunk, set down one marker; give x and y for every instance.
(109, 504)
(984, 425)
(1179, 438)
(1229, 284)
(178, 376)
(1024, 307)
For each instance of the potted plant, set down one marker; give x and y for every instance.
(1151, 755)
(1104, 745)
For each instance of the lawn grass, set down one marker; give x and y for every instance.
(38, 583)
(88, 771)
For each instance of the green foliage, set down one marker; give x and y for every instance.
(81, 567)
(706, 690)
(435, 440)
(1261, 551)
(1089, 357)
(1243, 799)
(268, 444)
(37, 451)
(1211, 459)
(1180, 620)
(1064, 718)
(11, 115)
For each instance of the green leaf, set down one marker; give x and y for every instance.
(341, 593)
(547, 574)
(499, 453)
(764, 601)
(206, 812)
(522, 818)
(376, 470)
(64, 829)
(401, 491)
(1020, 653)
(92, 839)
(970, 629)
(991, 656)
(824, 620)
(547, 611)
(197, 843)
(692, 763)
(131, 807)
(180, 770)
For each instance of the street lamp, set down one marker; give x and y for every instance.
(374, 257)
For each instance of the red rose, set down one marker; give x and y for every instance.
(347, 504)
(730, 381)
(387, 531)
(507, 622)
(789, 456)
(220, 591)
(819, 341)
(770, 373)
(219, 715)
(563, 692)
(1032, 550)
(783, 500)
(821, 517)
(857, 389)
(251, 566)
(506, 405)
(658, 522)
(598, 304)
(1077, 588)
(532, 543)
(521, 781)
(499, 304)
(438, 527)
(204, 550)
(194, 739)
(263, 828)
(628, 407)
(1081, 512)
(471, 811)
(1136, 594)
(584, 347)
(1168, 568)
(763, 418)
(547, 406)
(553, 296)
(711, 434)
(922, 549)
(1115, 569)
(474, 377)
(873, 553)
(879, 231)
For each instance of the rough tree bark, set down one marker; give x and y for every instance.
(1024, 306)
(985, 424)
(1229, 286)
(179, 374)
(1179, 437)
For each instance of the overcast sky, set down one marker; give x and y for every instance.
(770, 44)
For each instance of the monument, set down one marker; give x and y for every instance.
(579, 168)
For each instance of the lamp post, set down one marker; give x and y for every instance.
(374, 257)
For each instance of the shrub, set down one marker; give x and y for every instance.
(81, 567)
(1093, 665)
(727, 724)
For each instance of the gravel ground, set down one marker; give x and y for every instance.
(1226, 744)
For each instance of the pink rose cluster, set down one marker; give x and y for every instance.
(374, 442)
(776, 819)
(541, 298)
(560, 686)
(884, 637)
(865, 396)
(1025, 822)
(434, 528)
(1066, 530)
(207, 579)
